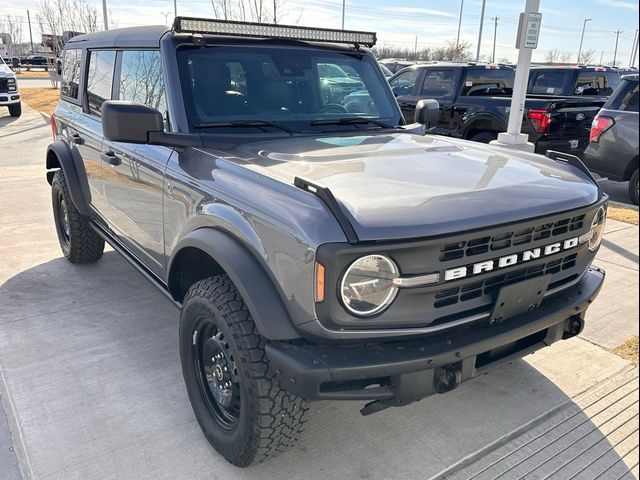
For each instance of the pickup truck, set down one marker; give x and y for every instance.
(475, 102)
(573, 80)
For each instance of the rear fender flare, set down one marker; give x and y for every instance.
(60, 156)
(488, 122)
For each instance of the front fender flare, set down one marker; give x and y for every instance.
(59, 155)
(258, 291)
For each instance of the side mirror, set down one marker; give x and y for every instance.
(427, 113)
(130, 122)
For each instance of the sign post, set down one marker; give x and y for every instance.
(526, 42)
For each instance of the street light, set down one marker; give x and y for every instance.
(584, 26)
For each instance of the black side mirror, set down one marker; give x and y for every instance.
(130, 122)
(427, 113)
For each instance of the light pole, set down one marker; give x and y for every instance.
(459, 24)
(175, 8)
(634, 50)
(484, 4)
(584, 26)
(166, 17)
(615, 52)
(343, 8)
(495, 34)
(104, 15)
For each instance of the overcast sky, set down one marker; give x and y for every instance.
(433, 22)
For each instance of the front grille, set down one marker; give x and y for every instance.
(492, 285)
(519, 237)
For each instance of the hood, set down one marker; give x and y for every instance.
(5, 71)
(399, 185)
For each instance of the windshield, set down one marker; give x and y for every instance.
(301, 89)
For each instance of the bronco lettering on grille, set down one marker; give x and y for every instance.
(509, 260)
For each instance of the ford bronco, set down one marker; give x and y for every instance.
(318, 248)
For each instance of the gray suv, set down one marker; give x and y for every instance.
(318, 248)
(613, 145)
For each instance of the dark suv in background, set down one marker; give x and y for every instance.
(573, 80)
(613, 146)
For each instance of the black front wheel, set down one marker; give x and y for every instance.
(233, 390)
(633, 188)
(15, 110)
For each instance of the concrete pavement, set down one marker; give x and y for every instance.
(93, 389)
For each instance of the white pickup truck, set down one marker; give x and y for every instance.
(9, 96)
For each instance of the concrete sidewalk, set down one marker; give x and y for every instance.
(93, 390)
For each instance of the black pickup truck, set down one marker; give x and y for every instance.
(573, 80)
(475, 100)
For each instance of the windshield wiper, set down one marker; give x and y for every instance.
(246, 123)
(352, 121)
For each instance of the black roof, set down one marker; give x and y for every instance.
(148, 36)
(572, 67)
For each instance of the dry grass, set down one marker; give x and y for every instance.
(32, 74)
(41, 99)
(626, 215)
(629, 350)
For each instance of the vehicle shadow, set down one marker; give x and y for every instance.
(5, 118)
(89, 357)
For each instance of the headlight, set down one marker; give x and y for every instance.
(597, 228)
(367, 286)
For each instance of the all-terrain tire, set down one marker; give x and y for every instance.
(78, 241)
(15, 110)
(633, 188)
(269, 418)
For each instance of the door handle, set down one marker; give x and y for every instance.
(111, 158)
(77, 139)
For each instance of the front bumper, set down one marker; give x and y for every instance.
(399, 373)
(9, 98)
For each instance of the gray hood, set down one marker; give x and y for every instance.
(5, 71)
(399, 185)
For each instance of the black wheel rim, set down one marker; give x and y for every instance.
(63, 220)
(216, 373)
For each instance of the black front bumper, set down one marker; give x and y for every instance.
(398, 373)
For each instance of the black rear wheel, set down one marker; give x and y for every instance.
(78, 241)
(233, 389)
(633, 188)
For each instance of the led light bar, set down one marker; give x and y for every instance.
(268, 30)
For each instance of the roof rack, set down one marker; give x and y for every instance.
(268, 30)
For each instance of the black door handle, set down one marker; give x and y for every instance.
(111, 158)
(77, 139)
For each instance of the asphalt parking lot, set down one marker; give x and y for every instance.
(92, 388)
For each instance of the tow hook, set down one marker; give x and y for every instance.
(572, 326)
(446, 378)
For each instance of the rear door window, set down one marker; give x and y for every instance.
(100, 78)
(596, 83)
(71, 73)
(625, 98)
(438, 83)
(141, 79)
(548, 83)
(488, 82)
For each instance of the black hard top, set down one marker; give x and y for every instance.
(148, 36)
(585, 68)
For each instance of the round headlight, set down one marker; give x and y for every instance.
(597, 228)
(367, 286)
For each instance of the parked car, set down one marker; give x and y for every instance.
(396, 65)
(613, 149)
(336, 83)
(573, 80)
(9, 95)
(314, 253)
(387, 73)
(475, 100)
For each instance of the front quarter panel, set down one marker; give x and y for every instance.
(278, 224)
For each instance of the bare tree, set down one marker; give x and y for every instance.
(587, 56)
(552, 56)
(453, 52)
(58, 17)
(261, 11)
(12, 26)
(565, 57)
